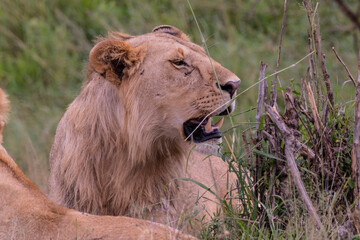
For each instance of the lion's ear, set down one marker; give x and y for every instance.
(171, 30)
(114, 59)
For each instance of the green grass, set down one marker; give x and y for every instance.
(44, 47)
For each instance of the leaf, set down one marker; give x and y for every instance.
(351, 184)
(296, 92)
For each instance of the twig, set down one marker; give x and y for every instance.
(309, 152)
(312, 70)
(346, 68)
(303, 98)
(348, 13)
(262, 95)
(289, 141)
(325, 110)
(269, 138)
(321, 56)
(318, 124)
(291, 118)
(326, 75)
(274, 90)
(260, 99)
(320, 128)
(273, 102)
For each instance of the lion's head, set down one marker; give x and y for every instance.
(123, 138)
(174, 82)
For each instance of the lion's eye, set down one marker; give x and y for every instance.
(180, 63)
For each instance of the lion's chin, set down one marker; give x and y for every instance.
(200, 130)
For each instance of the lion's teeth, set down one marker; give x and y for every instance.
(219, 124)
(208, 127)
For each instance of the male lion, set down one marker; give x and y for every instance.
(123, 143)
(26, 213)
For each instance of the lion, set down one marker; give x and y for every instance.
(122, 146)
(26, 213)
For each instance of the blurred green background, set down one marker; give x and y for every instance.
(44, 46)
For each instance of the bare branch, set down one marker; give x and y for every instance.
(290, 141)
(321, 56)
(303, 98)
(309, 152)
(318, 124)
(259, 190)
(320, 128)
(346, 68)
(261, 94)
(352, 16)
(312, 71)
(274, 90)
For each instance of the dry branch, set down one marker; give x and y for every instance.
(261, 96)
(321, 56)
(352, 16)
(325, 73)
(308, 151)
(303, 98)
(312, 71)
(317, 121)
(346, 68)
(290, 140)
(274, 90)
(321, 129)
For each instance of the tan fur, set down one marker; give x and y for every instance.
(26, 213)
(119, 149)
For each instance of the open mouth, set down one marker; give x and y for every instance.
(201, 130)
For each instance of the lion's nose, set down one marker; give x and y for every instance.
(230, 87)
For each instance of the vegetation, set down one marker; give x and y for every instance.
(44, 46)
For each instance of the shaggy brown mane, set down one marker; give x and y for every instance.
(104, 113)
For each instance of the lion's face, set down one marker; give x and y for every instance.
(173, 79)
